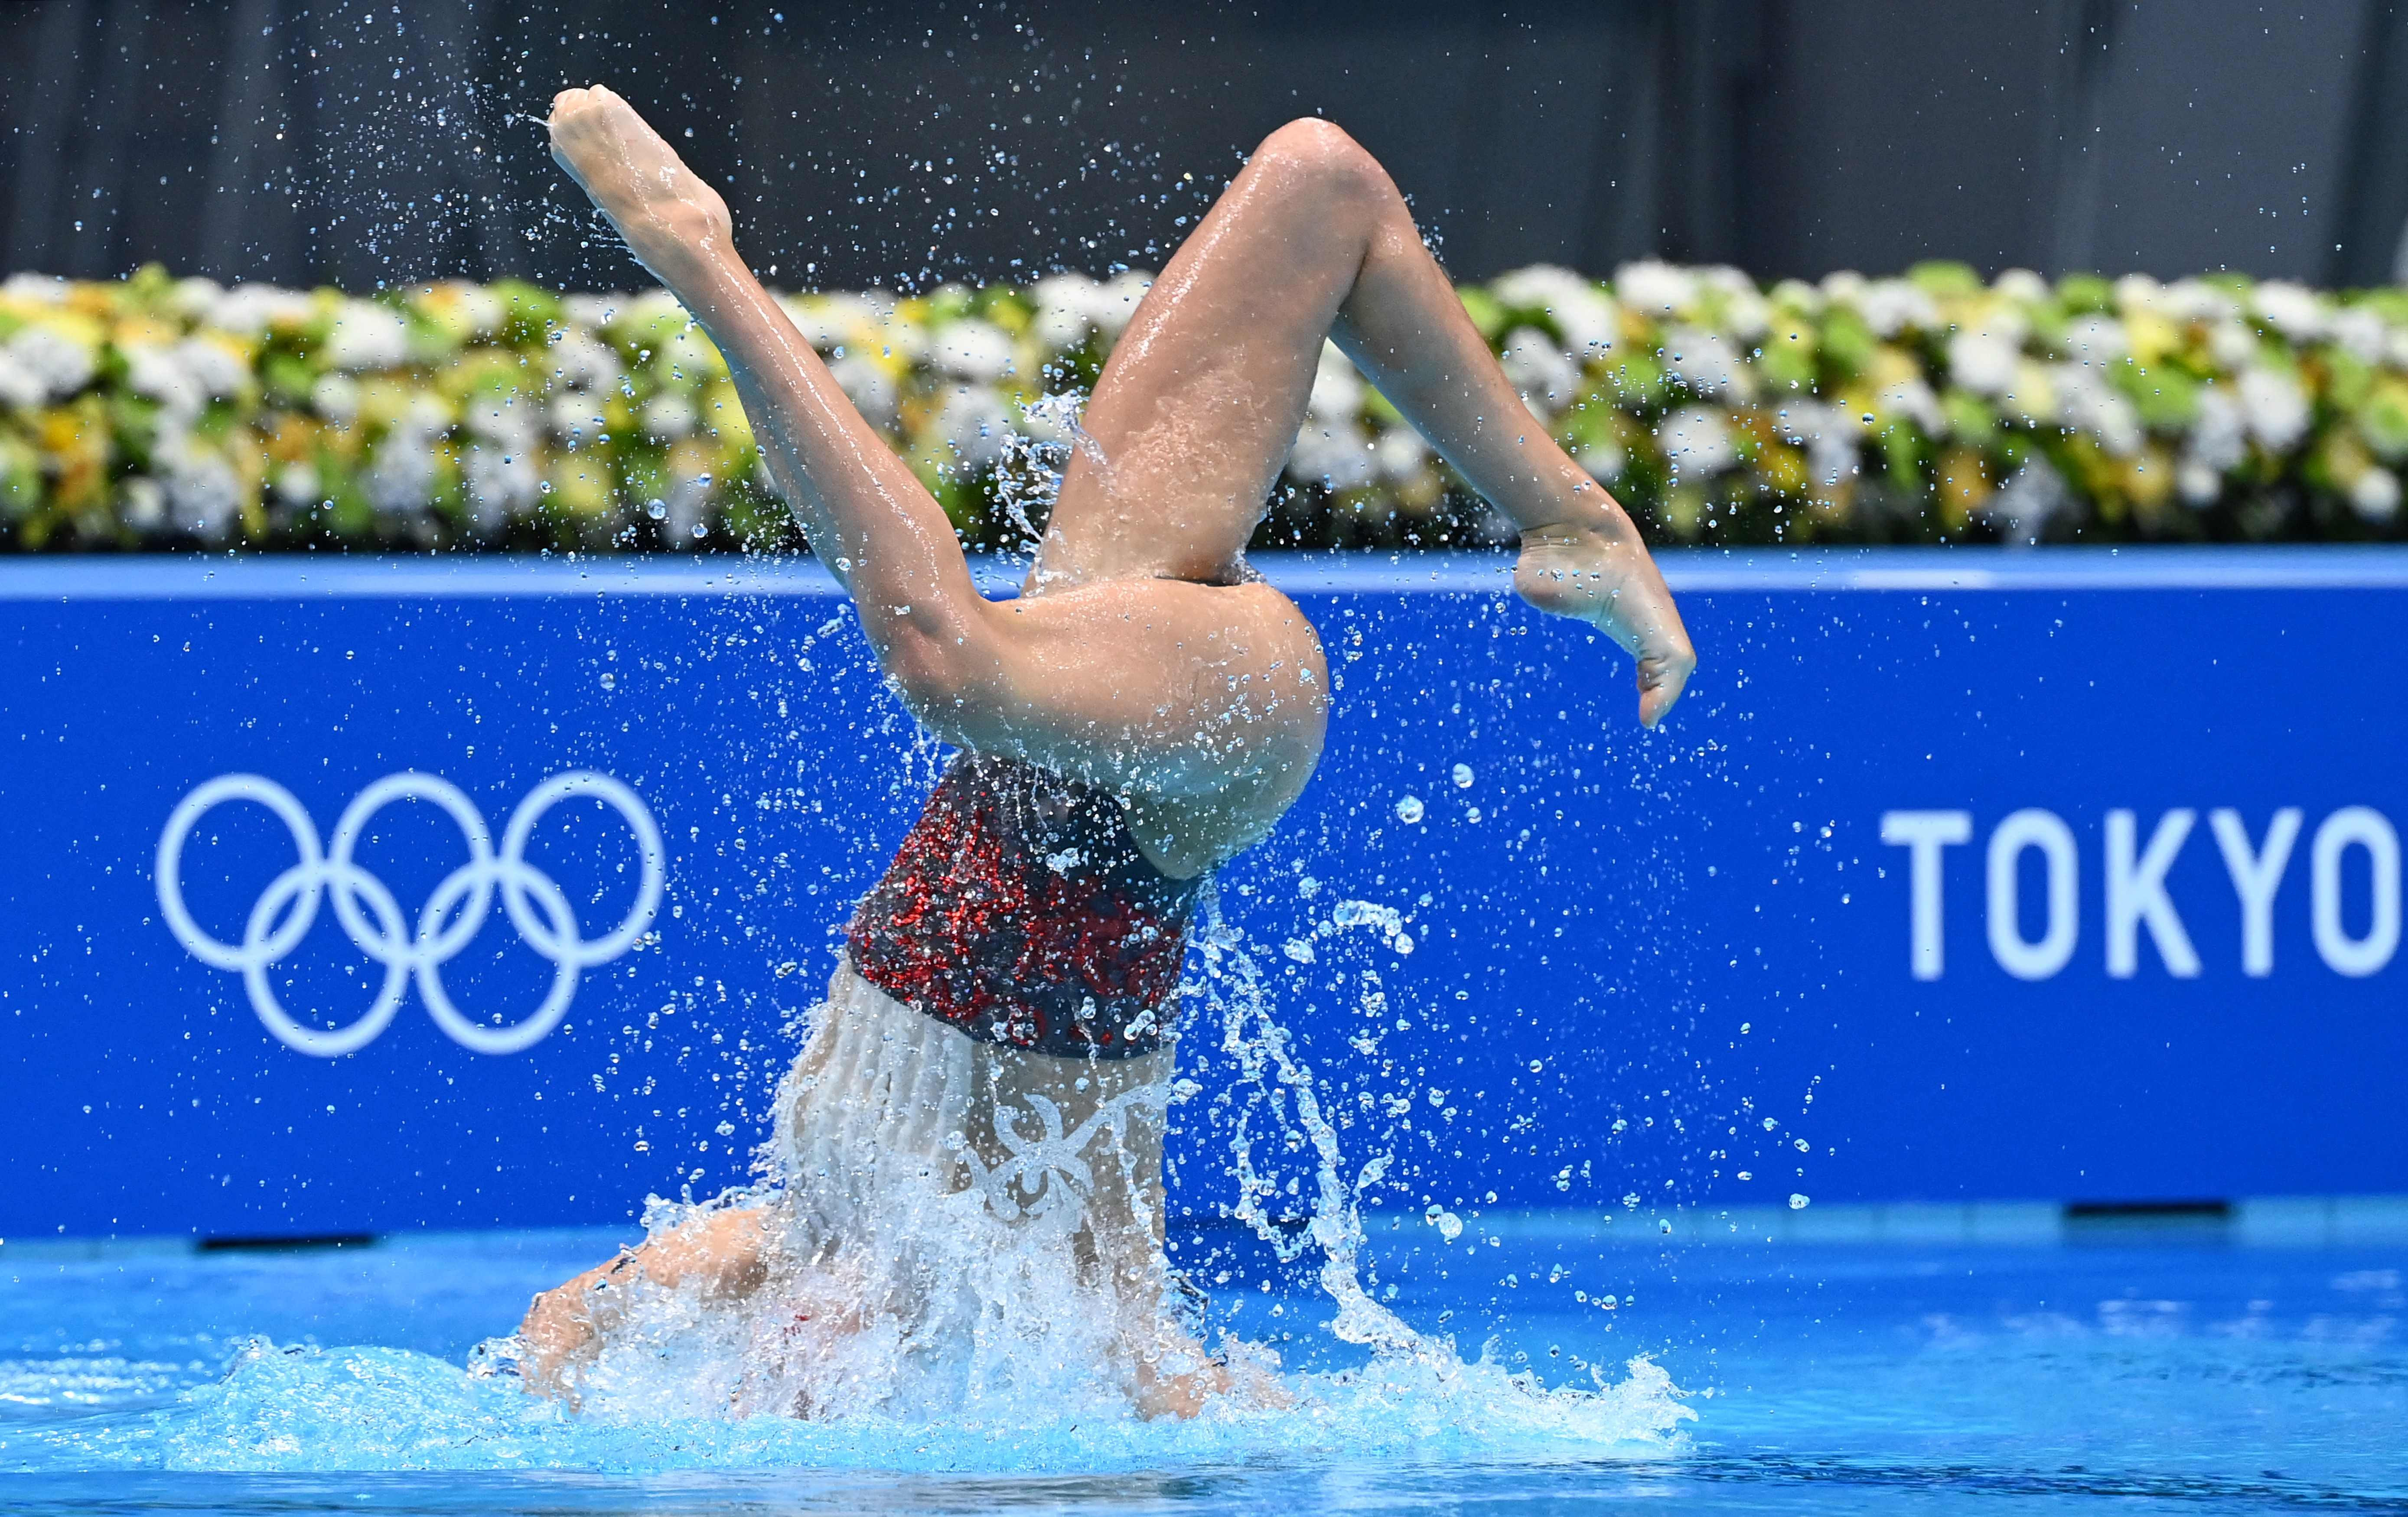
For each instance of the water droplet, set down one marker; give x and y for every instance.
(609, 681)
(1797, 1202)
(656, 509)
(1409, 810)
(1463, 776)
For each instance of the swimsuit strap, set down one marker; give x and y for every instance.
(1022, 912)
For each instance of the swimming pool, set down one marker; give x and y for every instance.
(2123, 1373)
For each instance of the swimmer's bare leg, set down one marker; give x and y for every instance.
(723, 1253)
(1203, 707)
(1202, 399)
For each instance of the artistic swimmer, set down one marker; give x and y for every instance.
(977, 1116)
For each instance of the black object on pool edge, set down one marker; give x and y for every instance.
(269, 1244)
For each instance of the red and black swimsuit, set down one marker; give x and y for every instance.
(1021, 911)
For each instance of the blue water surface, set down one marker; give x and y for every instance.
(2115, 1375)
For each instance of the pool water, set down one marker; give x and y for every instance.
(1818, 1378)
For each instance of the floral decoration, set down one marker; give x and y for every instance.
(162, 413)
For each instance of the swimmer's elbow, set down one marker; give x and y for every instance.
(947, 679)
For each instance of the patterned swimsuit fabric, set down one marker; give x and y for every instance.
(1021, 911)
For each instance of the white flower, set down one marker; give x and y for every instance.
(36, 289)
(975, 423)
(866, 382)
(980, 351)
(582, 361)
(1892, 306)
(19, 385)
(217, 373)
(502, 482)
(839, 320)
(482, 309)
(336, 397)
(2276, 409)
(2218, 439)
(2086, 401)
(1797, 295)
(1706, 363)
(2197, 483)
(1983, 361)
(2195, 300)
(1696, 441)
(1541, 370)
(1334, 452)
(143, 505)
(155, 373)
(1843, 284)
(2375, 494)
(1119, 300)
(2231, 343)
(2139, 292)
(368, 336)
(1745, 313)
(593, 310)
(296, 484)
(2295, 311)
(1654, 288)
(204, 494)
(2022, 286)
(2030, 497)
(1060, 327)
(401, 477)
(1336, 389)
(1587, 319)
(1400, 455)
(194, 298)
(2095, 340)
(59, 363)
(1604, 458)
(1827, 433)
(669, 416)
(2362, 333)
(252, 309)
(575, 415)
(502, 421)
(1913, 400)
(1068, 305)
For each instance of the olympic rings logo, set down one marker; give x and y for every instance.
(536, 904)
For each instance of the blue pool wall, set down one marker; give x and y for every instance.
(1642, 965)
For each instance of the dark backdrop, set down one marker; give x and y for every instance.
(357, 141)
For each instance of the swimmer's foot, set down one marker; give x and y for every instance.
(1611, 584)
(665, 212)
(1162, 1391)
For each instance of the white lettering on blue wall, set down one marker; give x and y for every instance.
(2038, 958)
(1924, 834)
(2136, 895)
(2363, 827)
(2256, 876)
(2353, 886)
